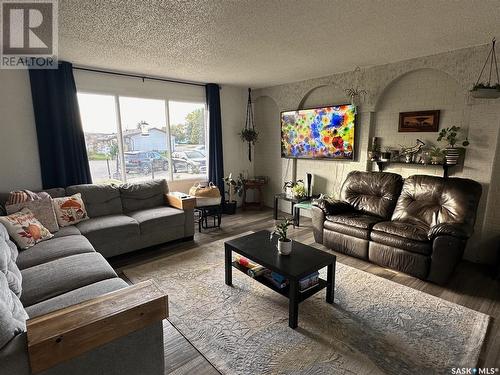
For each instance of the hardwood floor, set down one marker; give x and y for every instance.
(471, 286)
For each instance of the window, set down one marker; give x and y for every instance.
(142, 140)
(188, 137)
(98, 113)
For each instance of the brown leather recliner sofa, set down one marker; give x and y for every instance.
(418, 226)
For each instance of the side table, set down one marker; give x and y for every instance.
(284, 197)
(253, 185)
(306, 205)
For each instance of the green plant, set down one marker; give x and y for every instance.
(299, 190)
(436, 152)
(451, 136)
(281, 229)
(236, 185)
(484, 85)
(249, 135)
(291, 184)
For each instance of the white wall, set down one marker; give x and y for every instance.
(19, 162)
(433, 82)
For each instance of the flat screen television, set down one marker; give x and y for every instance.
(319, 133)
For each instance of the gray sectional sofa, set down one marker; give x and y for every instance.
(71, 268)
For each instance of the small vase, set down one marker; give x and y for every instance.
(284, 247)
(452, 155)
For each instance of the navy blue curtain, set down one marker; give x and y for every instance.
(215, 155)
(61, 142)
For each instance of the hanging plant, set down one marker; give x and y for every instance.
(488, 90)
(249, 134)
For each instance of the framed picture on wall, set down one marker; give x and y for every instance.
(421, 121)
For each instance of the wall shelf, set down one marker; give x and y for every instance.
(383, 164)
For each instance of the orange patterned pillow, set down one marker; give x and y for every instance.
(70, 210)
(25, 229)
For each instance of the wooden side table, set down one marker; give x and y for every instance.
(257, 185)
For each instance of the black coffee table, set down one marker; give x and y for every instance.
(303, 261)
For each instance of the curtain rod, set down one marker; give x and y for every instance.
(143, 77)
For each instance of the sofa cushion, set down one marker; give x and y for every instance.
(431, 200)
(56, 248)
(8, 266)
(67, 231)
(111, 228)
(374, 193)
(405, 230)
(144, 195)
(158, 219)
(76, 296)
(355, 219)
(397, 242)
(100, 200)
(62, 275)
(12, 314)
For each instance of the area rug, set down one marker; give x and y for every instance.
(375, 326)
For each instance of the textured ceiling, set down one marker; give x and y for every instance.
(266, 42)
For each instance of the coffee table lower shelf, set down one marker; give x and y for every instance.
(303, 295)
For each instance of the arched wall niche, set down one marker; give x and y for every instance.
(421, 89)
(267, 153)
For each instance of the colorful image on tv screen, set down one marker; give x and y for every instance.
(319, 133)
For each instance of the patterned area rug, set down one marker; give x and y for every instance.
(376, 326)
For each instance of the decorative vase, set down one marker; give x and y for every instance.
(284, 247)
(289, 192)
(452, 154)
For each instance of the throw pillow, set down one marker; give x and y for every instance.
(20, 196)
(70, 210)
(42, 209)
(25, 229)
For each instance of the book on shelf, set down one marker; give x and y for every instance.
(309, 281)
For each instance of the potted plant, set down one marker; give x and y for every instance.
(452, 136)
(284, 243)
(288, 187)
(234, 187)
(299, 191)
(486, 91)
(437, 155)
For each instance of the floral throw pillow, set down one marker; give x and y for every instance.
(70, 210)
(25, 229)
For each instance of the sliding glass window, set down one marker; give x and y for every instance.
(152, 138)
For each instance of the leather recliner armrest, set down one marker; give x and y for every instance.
(335, 207)
(450, 229)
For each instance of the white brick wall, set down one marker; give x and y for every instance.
(433, 82)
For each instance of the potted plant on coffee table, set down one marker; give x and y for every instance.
(234, 187)
(284, 243)
(452, 137)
